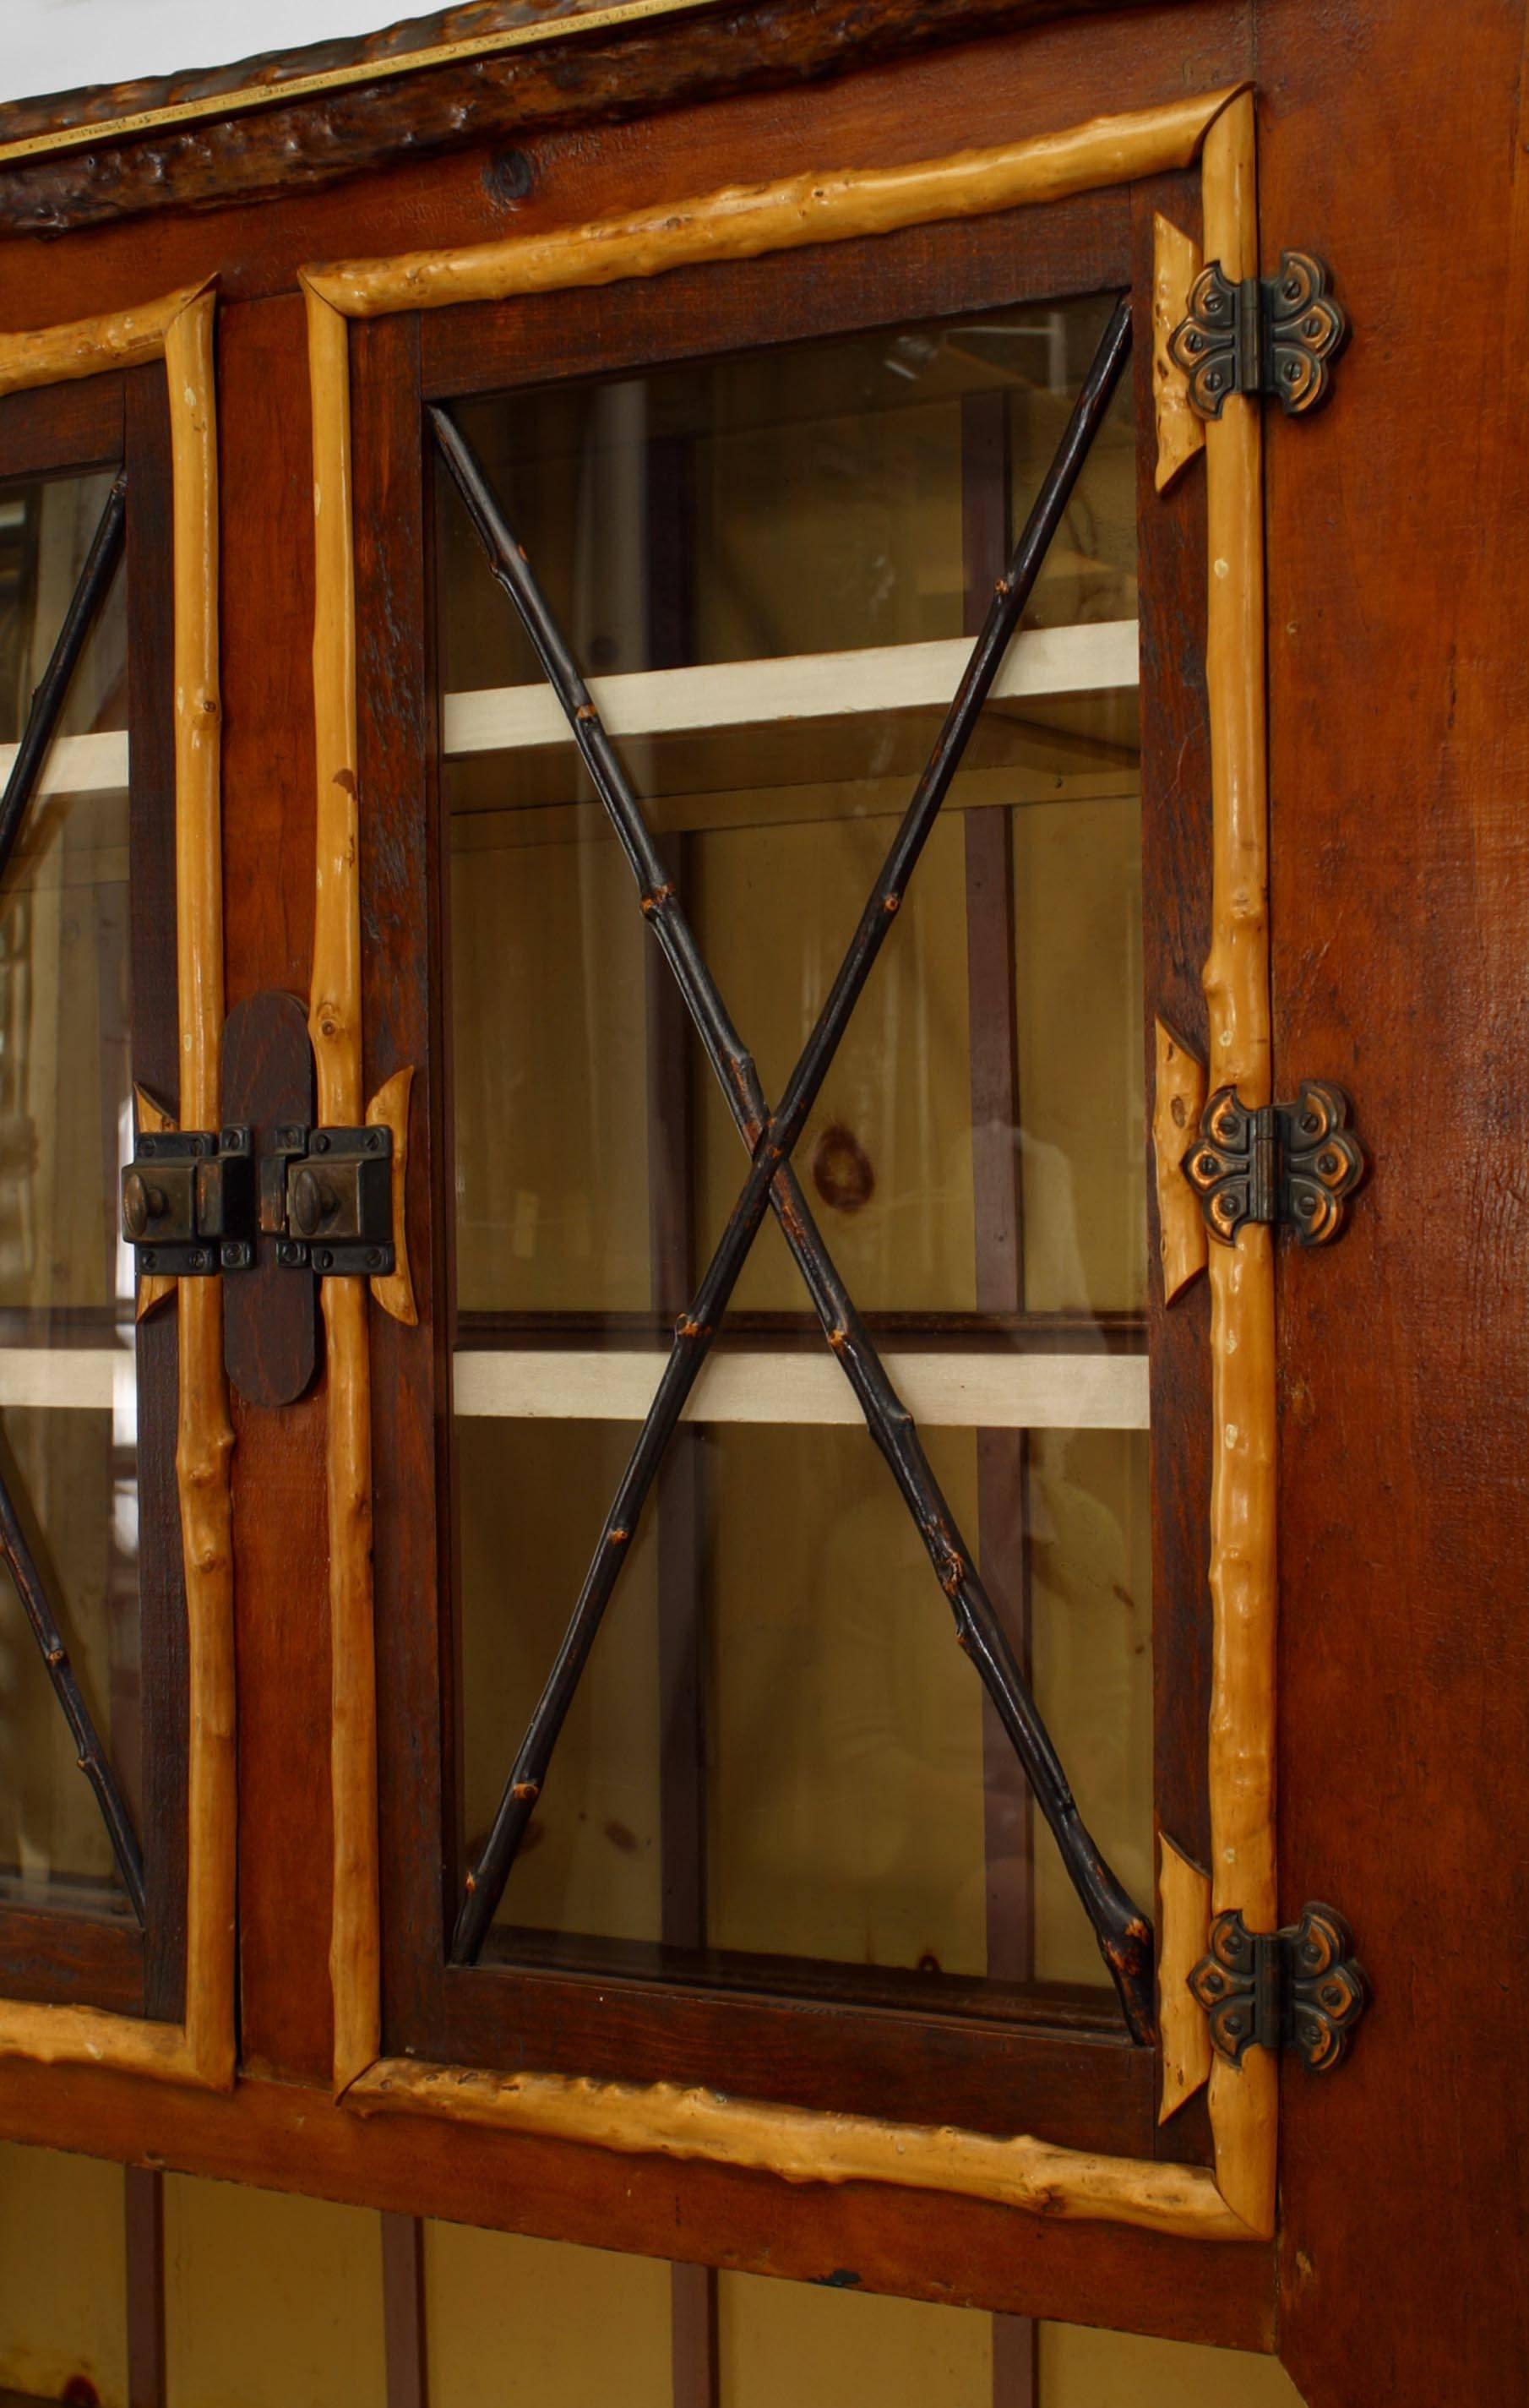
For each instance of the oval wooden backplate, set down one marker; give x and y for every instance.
(270, 1315)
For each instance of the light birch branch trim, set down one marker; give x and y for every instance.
(118, 339)
(91, 2036)
(1176, 263)
(389, 1109)
(1243, 2101)
(1183, 1933)
(804, 2145)
(204, 1435)
(154, 1287)
(334, 1027)
(1179, 1093)
(743, 220)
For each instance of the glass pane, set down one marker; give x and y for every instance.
(774, 515)
(67, 1408)
(771, 567)
(857, 1808)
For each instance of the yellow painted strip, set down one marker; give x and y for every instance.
(267, 96)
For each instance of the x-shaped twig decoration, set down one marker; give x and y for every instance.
(1124, 1933)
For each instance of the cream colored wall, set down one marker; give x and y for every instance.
(513, 2322)
(62, 2287)
(270, 2302)
(275, 2302)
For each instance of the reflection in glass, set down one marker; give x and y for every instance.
(771, 568)
(68, 1449)
(846, 1763)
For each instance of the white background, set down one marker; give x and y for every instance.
(49, 46)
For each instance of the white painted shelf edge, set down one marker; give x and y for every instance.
(961, 1391)
(1041, 664)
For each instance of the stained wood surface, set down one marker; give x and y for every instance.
(166, 1691)
(371, 125)
(1178, 1094)
(741, 221)
(270, 1315)
(1403, 1351)
(662, 2119)
(290, 2137)
(279, 1484)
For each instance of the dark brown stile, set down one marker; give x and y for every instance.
(1123, 1935)
(101, 564)
(143, 2217)
(403, 880)
(669, 550)
(1176, 936)
(998, 1212)
(280, 1599)
(164, 1695)
(270, 1315)
(405, 2356)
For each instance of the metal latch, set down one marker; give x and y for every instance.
(1300, 1987)
(188, 1201)
(1290, 1165)
(1273, 335)
(326, 1194)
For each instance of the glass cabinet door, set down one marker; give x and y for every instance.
(90, 1650)
(772, 566)
(694, 619)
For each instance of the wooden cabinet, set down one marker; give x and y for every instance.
(679, 591)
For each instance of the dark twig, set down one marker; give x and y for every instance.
(42, 720)
(1123, 1935)
(17, 1559)
(48, 700)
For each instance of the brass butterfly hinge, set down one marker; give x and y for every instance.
(1275, 336)
(1301, 1987)
(1292, 1165)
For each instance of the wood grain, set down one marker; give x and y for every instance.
(959, 2252)
(154, 1117)
(1176, 263)
(204, 1436)
(118, 339)
(389, 1109)
(1404, 1351)
(796, 2146)
(1183, 1932)
(382, 122)
(1243, 2099)
(334, 1027)
(1179, 1093)
(743, 220)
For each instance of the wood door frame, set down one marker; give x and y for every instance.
(804, 2144)
(177, 330)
